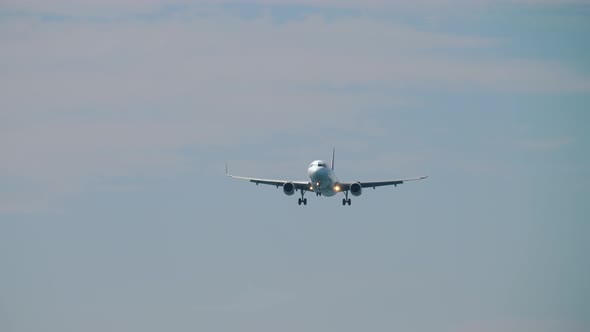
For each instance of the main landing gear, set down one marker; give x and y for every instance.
(346, 200)
(302, 200)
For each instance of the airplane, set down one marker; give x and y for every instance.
(323, 181)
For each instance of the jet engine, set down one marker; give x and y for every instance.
(356, 189)
(289, 188)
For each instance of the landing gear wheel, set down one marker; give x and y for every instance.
(302, 200)
(346, 200)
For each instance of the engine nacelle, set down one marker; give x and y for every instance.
(356, 189)
(289, 188)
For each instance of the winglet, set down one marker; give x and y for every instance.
(333, 153)
(226, 173)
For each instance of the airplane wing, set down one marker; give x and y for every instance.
(374, 184)
(300, 185)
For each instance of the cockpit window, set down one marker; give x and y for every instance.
(318, 163)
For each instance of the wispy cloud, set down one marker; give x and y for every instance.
(546, 144)
(522, 325)
(83, 98)
(73, 6)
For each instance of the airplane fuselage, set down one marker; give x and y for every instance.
(323, 179)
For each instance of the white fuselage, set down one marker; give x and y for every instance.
(322, 178)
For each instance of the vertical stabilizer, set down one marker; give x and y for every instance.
(333, 152)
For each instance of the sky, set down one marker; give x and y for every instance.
(117, 119)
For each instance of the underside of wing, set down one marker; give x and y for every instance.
(299, 185)
(374, 184)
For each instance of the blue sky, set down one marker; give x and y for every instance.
(117, 118)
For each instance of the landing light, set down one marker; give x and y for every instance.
(337, 188)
